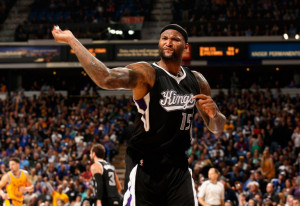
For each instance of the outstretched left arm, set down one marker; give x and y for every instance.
(213, 118)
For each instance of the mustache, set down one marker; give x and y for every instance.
(167, 58)
(168, 48)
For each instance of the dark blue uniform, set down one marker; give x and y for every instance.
(109, 195)
(158, 147)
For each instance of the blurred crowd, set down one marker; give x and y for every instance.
(5, 6)
(86, 11)
(237, 17)
(258, 152)
(90, 19)
(52, 135)
(86, 18)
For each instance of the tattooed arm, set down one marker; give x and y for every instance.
(139, 77)
(208, 109)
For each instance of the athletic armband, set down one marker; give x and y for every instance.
(98, 186)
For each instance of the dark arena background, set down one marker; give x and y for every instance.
(51, 111)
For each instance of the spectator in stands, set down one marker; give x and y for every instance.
(296, 202)
(87, 174)
(241, 146)
(270, 197)
(242, 164)
(89, 196)
(296, 191)
(296, 139)
(253, 189)
(255, 160)
(289, 200)
(44, 196)
(292, 84)
(267, 165)
(229, 192)
(252, 202)
(279, 182)
(288, 187)
(110, 147)
(249, 180)
(292, 30)
(72, 192)
(238, 188)
(57, 195)
(261, 181)
(242, 199)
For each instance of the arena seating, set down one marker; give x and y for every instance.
(88, 19)
(238, 18)
(200, 18)
(5, 6)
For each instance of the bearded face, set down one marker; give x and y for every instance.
(171, 45)
(170, 55)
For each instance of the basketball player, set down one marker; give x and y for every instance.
(17, 183)
(165, 94)
(105, 180)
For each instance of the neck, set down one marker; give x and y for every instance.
(96, 159)
(173, 67)
(16, 173)
(213, 181)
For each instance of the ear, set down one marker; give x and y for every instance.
(186, 46)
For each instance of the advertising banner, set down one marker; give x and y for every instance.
(274, 50)
(29, 54)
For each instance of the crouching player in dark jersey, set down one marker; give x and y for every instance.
(107, 187)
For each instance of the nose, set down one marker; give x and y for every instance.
(169, 42)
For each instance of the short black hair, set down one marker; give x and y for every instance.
(99, 150)
(178, 28)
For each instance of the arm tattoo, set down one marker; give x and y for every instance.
(104, 77)
(215, 124)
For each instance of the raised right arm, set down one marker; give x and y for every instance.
(49, 186)
(139, 77)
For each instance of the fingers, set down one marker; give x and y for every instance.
(55, 30)
(5, 196)
(55, 27)
(206, 104)
(203, 99)
(201, 96)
